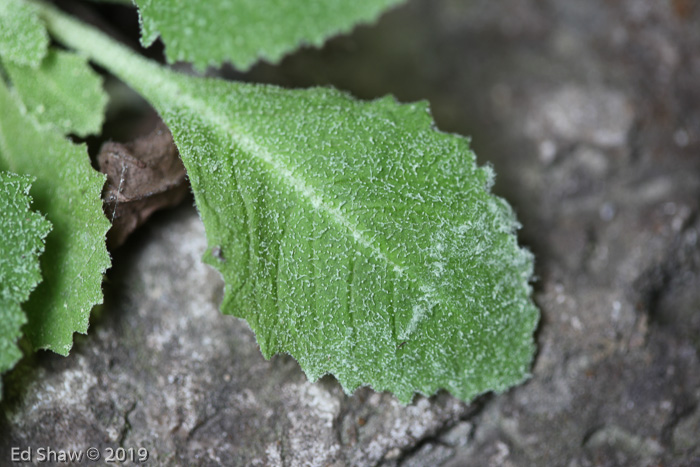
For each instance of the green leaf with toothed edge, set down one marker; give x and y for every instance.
(243, 31)
(23, 39)
(357, 238)
(22, 234)
(352, 235)
(67, 190)
(63, 92)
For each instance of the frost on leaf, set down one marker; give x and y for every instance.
(243, 31)
(23, 38)
(67, 190)
(64, 92)
(351, 235)
(354, 236)
(22, 232)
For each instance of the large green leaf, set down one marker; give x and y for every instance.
(356, 237)
(67, 189)
(243, 31)
(64, 91)
(23, 39)
(22, 235)
(352, 235)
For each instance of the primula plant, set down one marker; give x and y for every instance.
(353, 235)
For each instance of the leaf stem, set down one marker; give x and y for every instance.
(145, 76)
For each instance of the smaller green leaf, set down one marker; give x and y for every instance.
(67, 189)
(244, 31)
(23, 37)
(64, 91)
(22, 235)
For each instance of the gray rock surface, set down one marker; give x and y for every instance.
(164, 370)
(590, 114)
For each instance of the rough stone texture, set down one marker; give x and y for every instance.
(590, 113)
(164, 370)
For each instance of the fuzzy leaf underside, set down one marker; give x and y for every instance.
(67, 190)
(22, 234)
(23, 38)
(352, 235)
(243, 31)
(64, 92)
(358, 239)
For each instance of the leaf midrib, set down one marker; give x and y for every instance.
(161, 87)
(298, 185)
(169, 91)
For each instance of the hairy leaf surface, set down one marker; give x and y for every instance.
(67, 189)
(243, 31)
(352, 235)
(22, 234)
(64, 91)
(357, 238)
(23, 38)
